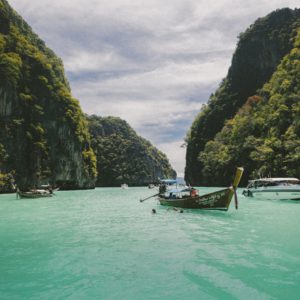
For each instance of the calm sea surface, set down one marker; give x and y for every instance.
(105, 244)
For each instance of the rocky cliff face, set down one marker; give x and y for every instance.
(259, 52)
(123, 156)
(43, 132)
(264, 136)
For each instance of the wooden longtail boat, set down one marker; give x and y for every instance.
(33, 194)
(189, 198)
(37, 193)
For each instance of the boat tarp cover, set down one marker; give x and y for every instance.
(174, 191)
(169, 181)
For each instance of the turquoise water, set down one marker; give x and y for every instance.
(105, 244)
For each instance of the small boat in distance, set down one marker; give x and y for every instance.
(34, 194)
(274, 188)
(43, 192)
(188, 197)
(124, 186)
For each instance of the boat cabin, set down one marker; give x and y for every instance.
(168, 181)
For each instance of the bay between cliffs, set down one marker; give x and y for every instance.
(105, 244)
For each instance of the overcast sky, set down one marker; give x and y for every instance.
(150, 62)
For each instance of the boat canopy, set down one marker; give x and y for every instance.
(174, 191)
(168, 181)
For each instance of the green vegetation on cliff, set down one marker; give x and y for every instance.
(43, 132)
(259, 52)
(123, 156)
(264, 136)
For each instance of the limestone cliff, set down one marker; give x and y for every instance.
(43, 132)
(264, 136)
(258, 53)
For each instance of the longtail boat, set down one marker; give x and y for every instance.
(190, 198)
(37, 193)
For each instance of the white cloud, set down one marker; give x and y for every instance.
(150, 62)
(81, 61)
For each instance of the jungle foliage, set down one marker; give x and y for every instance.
(42, 127)
(261, 133)
(264, 136)
(44, 136)
(123, 156)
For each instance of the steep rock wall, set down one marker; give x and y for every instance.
(43, 132)
(259, 51)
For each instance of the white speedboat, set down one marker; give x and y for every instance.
(274, 188)
(124, 186)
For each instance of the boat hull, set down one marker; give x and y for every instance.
(30, 195)
(219, 200)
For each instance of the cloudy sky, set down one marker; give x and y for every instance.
(150, 62)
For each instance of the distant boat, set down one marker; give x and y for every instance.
(274, 188)
(188, 197)
(124, 186)
(43, 192)
(151, 186)
(34, 194)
